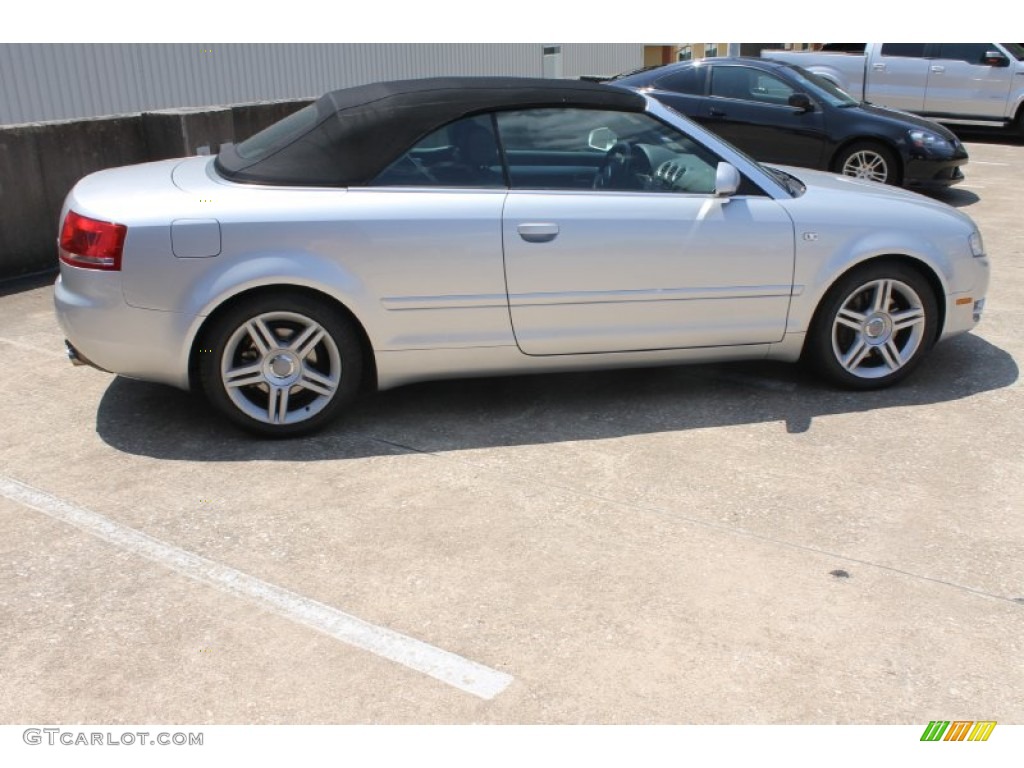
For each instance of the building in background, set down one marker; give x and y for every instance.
(45, 82)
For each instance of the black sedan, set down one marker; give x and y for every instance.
(780, 113)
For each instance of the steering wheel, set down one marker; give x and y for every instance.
(615, 171)
(415, 169)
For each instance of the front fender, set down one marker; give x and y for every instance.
(819, 265)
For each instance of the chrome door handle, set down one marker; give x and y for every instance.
(538, 233)
(879, 67)
(937, 68)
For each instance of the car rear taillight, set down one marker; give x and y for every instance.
(91, 244)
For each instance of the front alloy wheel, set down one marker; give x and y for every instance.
(869, 160)
(879, 329)
(281, 368)
(874, 327)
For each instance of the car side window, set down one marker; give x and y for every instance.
(689, 80)
(731, 82)
(749, 84)
(461, 154)
(905, 50)
(768, 89)
(602, 150)
(972, 53)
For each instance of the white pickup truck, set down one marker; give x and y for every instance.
(960, 83)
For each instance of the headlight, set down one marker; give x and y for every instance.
(977, 246)
(927, 139)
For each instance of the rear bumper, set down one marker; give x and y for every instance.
(77, 359)
(104, 332)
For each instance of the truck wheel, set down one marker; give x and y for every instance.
(869, 160)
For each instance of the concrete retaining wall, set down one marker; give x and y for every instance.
(40, 162)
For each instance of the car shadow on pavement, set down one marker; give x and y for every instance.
(958, 198)
(160, 422)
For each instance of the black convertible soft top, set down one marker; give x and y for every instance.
(347, 137)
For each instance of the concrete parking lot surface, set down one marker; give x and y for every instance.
(708, 544)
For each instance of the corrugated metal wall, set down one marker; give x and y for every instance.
(41, 82)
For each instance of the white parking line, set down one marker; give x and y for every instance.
(35, 348)
(442, 665)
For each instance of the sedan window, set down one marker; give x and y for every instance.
(822, 89)
(768, 89)
(688, 80)
(731, 83)
(749, 84)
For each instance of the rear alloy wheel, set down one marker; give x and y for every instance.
(874, 326)
(867, 160)
(281, 366)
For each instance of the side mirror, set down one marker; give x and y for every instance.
(995, 59)
(801, 102)
(602, 139)
(727, 180)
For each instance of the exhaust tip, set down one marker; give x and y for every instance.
(73, 354)
(77, 358)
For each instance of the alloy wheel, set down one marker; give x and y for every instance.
(281, 368)
(879, 328)
(867, 164)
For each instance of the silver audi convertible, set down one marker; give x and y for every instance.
(454, 227)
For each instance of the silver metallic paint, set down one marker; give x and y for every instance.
(629, 279)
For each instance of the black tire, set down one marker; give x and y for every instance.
(869, 160)
(266, 366)
(873, 326)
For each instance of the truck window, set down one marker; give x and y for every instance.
(972, 53)
(906, 50)
(843, 47)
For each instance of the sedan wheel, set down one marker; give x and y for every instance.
(869, 161)
(874, 326)
(280, 367)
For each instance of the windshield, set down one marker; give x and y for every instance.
(1015, 49)
(822, 88)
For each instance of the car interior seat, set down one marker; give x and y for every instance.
(475, 161)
